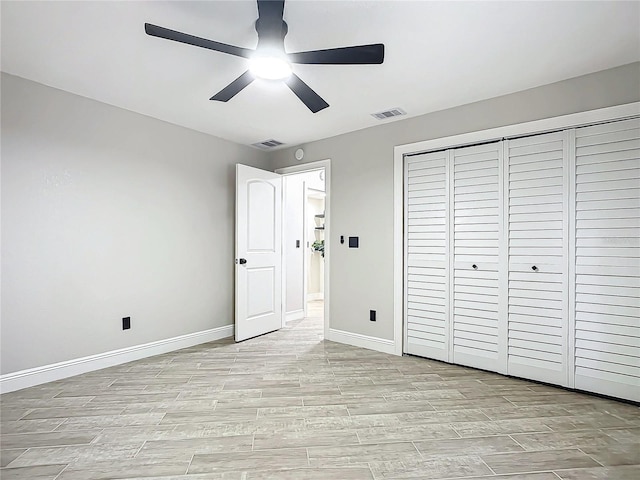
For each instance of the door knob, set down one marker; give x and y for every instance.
(242, 261)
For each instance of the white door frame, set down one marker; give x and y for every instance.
(310, 167)
(600, 115)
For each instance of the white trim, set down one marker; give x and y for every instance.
(308, 167)
(398, 253)
(363, 341)
(48, 373)
(294, 315)
(315, 296)
(283, 256)
(528, 128)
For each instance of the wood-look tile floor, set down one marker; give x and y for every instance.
(289, 405)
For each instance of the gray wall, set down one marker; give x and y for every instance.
(362, 182)
(107, 213)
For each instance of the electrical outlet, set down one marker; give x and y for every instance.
(126, 323)
(372, 315)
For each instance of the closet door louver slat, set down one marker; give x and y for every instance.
(607, 305)
(426, 274)
(476, 236)
(537, 267)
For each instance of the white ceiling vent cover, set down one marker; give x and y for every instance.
(268, 144)
(392, 112)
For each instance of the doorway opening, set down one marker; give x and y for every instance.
(305, 241)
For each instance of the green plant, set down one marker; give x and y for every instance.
(318, 246)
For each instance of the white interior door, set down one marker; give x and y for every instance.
(607, 258)
(258, 252)
(538, 258)
(427, 252)
(477, 219)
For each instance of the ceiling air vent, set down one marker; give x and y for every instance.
(268, 144)
(392, 112)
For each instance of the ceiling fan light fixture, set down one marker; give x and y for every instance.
(270, 61)
(270, 67)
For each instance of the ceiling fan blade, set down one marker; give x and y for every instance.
(161, 32)
(357, 55)
(231, 90)
(311, 99)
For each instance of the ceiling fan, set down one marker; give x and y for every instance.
(269, 60)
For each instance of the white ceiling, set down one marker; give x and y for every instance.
(438, 55)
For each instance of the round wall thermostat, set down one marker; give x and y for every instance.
(299, 154)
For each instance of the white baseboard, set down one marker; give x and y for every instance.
(315, 296)
(48, 373)
(294, 315)
(364, 341)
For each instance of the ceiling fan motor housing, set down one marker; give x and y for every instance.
(271, 36)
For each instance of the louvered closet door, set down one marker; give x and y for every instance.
(607, 313)
(538, 249)
(426, 275)
(476, 237)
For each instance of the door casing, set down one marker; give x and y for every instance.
(310, 167)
